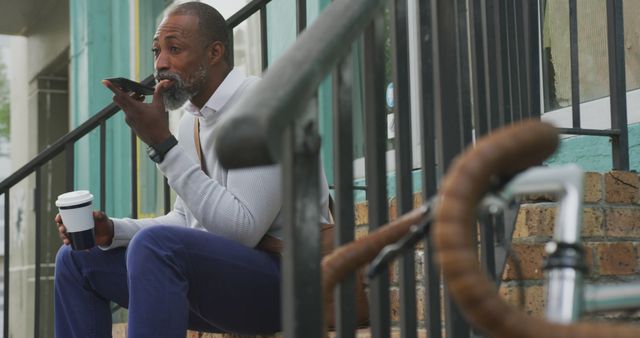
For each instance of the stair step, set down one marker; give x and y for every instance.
(120, 331)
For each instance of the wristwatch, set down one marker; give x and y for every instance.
(157, 151)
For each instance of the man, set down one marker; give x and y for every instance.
(195, 267)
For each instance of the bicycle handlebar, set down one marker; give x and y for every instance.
(505, 152)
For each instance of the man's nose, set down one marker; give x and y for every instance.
(162, 62)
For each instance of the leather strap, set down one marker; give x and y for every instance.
(196, 141)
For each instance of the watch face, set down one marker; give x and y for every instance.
(153, 154)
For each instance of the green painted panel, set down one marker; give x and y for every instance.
(149, 178)
(593, 153)
(100, 49)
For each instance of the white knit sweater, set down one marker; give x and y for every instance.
(240, 204)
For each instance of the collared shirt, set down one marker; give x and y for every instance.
(241, 204)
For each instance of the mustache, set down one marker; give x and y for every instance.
(166, 75)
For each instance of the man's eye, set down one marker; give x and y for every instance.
(174, 49)
(155, 51)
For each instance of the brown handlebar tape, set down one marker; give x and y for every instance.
(504, 152)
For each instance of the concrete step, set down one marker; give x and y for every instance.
(120, 331)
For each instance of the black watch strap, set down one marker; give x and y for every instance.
(157, 151)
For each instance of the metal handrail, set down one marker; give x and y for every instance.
(250, 133)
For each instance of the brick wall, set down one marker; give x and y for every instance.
(611, 233)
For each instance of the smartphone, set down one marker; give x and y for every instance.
(131, 86)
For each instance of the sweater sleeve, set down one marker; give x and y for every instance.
(242, 211)
(125, 228)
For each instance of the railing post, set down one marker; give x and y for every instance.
(433, 320)
(301, 292)
(103, 165)
(575, 70)
(38, 229)
(7, 247)
(449, 113)
(617, 85)
(134, 175)
(403, 150)
(264, 47)
(343, 176)
(376, 140)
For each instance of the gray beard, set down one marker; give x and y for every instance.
(180, 92)
(175, 97)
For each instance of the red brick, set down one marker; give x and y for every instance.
(394, 299)
(616, 258)
(592, 223)
(530, 257)
(592, 187)
(622, 187)
(535, 220)
(534, 301)
(362, 215)
(623, 222)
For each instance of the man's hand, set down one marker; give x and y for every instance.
(148, 120)
(103, 229)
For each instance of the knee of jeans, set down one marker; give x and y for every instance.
(149, 242)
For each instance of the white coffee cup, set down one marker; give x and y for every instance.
(76, 210)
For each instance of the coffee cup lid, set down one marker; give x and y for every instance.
(74, 198)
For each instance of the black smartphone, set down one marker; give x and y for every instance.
(131, 86)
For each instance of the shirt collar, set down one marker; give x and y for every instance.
(220, 97)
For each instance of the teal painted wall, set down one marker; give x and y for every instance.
(589, 152)
(594, 153)
(281, 18)
(99, 49)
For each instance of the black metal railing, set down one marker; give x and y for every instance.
(618, 132)
(66, 145)
(480, 68)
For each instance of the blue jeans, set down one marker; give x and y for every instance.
(170, 279)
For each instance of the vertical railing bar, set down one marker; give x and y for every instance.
(301, 291)
(477, 49)
(166, 193)
(546, 88)
(134, 175)
(617, 85)
(494, 64)
(7, 248)
(103, 165)
(575, 69)
(69, 154)
(345, 306)
(507, 56)
(448, 111)
(523, 58)
(38, 250)
(301, 15)
(402, 115)
(535, 36)
(433, 320)
(466, 124)
(515, 56)
(375, 165)
(506, 61)
(527, 48)
(264, 47)
(479, 95)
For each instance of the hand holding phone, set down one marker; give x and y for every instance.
(131, 86)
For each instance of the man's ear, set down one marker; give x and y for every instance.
(216, 53)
